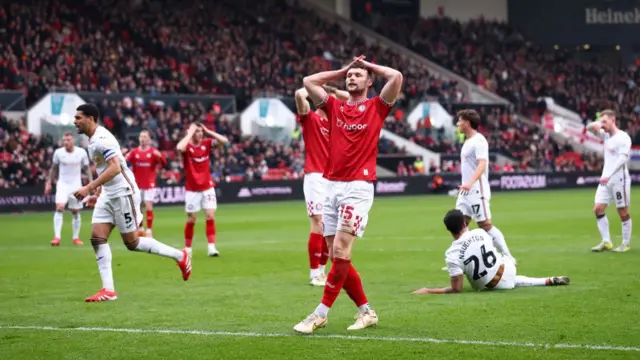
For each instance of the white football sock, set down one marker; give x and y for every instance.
(57, 224)
(603, 227)
(153, 246)
(313, 273)
(626, 232)
(103, 256)
(498, 240)
(321, 269)
(322, 310)
(75, 224)
(529, 281)
(364, 308)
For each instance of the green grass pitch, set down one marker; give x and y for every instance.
(244, 304)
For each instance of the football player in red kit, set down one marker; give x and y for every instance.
(315, 133)
(145, 161)
(354, 130)
(200, 192)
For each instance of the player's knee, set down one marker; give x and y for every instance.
(98, 240)
(131, 244)
(599, 210)
(191, 217)
(59, 208)
(342, 246)
(485, 225)
(75, 212)
(624, 214)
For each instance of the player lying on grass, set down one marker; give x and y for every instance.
(473, 254)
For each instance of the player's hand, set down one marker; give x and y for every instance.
(604, 180)
(157, 153)
(352, 63)
(82, 193)
(421, 291)
(464, 189)
(47, 189)
(91, 200)
(192, 128)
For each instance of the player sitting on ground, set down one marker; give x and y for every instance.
(118, 203)
(472, 253)
(615, 182)
(474, 195)
(354, 131)
(315, 133)
(200, 192)
(145, 160)
(68, 162)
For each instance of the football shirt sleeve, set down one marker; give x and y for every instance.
(382, 108)
(482, 149)
(56, 157)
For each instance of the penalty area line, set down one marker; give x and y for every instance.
(328, 336)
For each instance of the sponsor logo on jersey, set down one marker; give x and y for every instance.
(200, 159)
(350, 127)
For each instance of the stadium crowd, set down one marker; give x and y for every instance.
(222, 47)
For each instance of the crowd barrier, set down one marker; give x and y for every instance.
(33, 199)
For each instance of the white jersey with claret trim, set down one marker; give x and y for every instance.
(474, 255)
(474, 149)
(614, 146)
(103, 146)
(70, 166)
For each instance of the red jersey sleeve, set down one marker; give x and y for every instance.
(302, 118)
(382, 108)
(208, 142)
(160, 158)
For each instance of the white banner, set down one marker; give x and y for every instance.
(268, 118)
(440, 118)
(569, 124)
(55, 109)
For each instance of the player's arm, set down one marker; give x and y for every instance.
(182, 144)
(594, 127)
(454, 288)
(302, 105)
(53, 172)
(391, 89)
(87, 166)
(313, 83)
(112, 170)
(162, 160)
(340, 94)
(219, 138)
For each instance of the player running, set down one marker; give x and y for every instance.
(68, 162)
(200, 192)
(117, 205)
(475, 193)
(615, 183)
(315, 133)
(354, 130)
(145, 160)
(473, 254)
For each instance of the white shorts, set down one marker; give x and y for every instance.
(148, 195)
(195, 201)
(123, 212)
(474, 205)
(346, 207)
(315, 188)
(508, 280)
(617, 191)
(64, 195)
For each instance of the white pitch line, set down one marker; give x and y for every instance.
(341, 337)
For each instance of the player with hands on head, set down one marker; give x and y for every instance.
(473, 254)
(118, 204)
(615, 182)
(315, 133)
(354, 130)
(200, 192)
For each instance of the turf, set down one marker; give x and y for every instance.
(246, 302)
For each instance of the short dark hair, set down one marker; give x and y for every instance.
(358, 66)
(454, 221)
(90, 110)
(145, 130)
(67, 133)
(608, 112)
(471, 116)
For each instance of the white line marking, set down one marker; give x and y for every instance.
(342, 337)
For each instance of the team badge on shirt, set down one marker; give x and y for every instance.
(361, 108)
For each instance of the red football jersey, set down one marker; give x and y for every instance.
(144, 164)
(315, 132)
(197, 167)
(354, 132)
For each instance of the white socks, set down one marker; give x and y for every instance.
(522, 281)
(314, 273)
(364, 308)
(322, 310)
(321, 269)
(75, 224)
(626, 232)
(153, 246)
(103, 256)
(603, 227)
(498, 240)
(57, 224)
